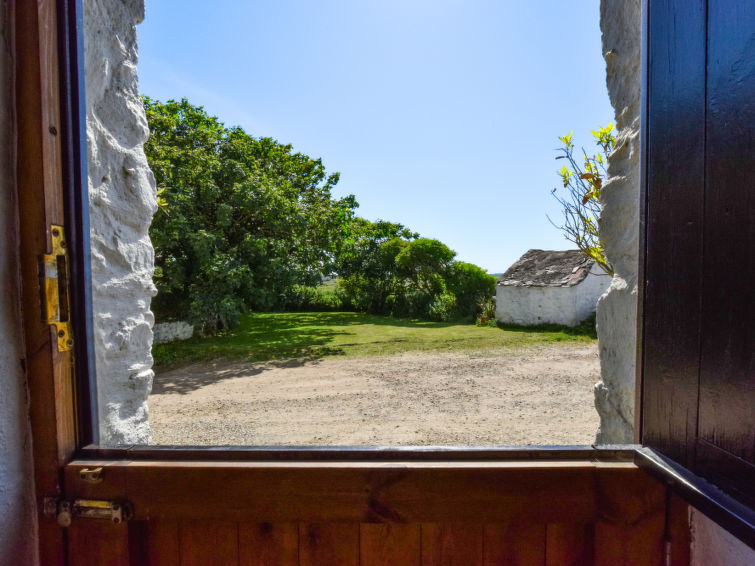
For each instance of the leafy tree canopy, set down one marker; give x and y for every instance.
(242, 218)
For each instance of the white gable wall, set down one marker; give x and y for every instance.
(536, 305)
(567, 306)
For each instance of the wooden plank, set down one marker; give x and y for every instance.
(208, 542)
(727, 364)
(39, 198)
(161, 544)
(407, 492)
(610, 544)
(386, 544)
(331, 544)
(569, 544)
(514, 545)
(679, 529)
(268, 544)
(97, 542)
(452, 544)
(674, 226)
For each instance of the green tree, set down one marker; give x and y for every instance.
(242, 219)
(580, 197)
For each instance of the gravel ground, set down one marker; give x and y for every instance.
(537, 396)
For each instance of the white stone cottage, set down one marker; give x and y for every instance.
(556, 287)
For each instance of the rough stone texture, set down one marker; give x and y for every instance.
(620, 22)
(121, 204)
(567, 304)
(547, 268)
(18, 527)
(713, 545)
(172, 331)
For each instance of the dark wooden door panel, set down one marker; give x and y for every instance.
(674, 217)
(727, 372)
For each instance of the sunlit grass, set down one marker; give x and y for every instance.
(274, 336)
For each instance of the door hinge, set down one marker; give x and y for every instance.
(65, 510)
(53, 274)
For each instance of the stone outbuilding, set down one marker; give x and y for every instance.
(555, 287)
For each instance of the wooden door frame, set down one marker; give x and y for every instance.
(385, 484)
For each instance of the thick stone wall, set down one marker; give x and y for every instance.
(121, 205)
(620, 22)
(18, 526)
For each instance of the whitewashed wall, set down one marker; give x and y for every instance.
(121, 204)
(567, 306)
(620, 22)
(171, 331)
(18, 518)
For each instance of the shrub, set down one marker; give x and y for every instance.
(442, 307)
(315, 299)
(486, 308)
(470, 284)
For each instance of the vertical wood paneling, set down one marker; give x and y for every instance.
(161, 544)
(452, 545)
(679, 530)
(514, 545)
(727, 372)
(610, 544)
(335, 544)
(208, 542)
(674, 226)
(97, 542)
(268, 544)
(386, 544)
(568, 544)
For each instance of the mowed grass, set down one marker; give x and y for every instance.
(275, 336)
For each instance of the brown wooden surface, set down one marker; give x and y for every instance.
(336, 544)
(465, 513)
(515, 545)
(367, 544)
(268, 544)
(40, 203)
(384, 544)
(409, 492)
(450, 544)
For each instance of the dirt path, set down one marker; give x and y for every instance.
(535, 396)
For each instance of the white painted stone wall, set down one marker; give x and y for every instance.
(552, 305)
(590, 290)
(712, 545)
(121, 204)
(171, 331)
(18, 519)
(620, 22)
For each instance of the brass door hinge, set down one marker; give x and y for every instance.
(65, 510)
(54, 288)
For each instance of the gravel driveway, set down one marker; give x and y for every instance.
(538, 396)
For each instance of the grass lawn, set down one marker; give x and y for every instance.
(271, 336)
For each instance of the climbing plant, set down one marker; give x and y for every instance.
(579, 197)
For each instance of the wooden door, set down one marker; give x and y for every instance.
(698, 353)
(408, 512)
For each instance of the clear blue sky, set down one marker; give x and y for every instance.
(440, 114)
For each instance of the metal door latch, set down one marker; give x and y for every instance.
(65, 510)
(53, 273)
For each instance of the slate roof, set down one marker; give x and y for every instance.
(545, 268)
